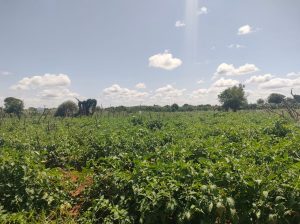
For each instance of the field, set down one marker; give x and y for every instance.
(199, 167)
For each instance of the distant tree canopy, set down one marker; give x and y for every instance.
(276, 98)
(87, 107)
(13, 106)
(260, 101)
(233, 98)
(174, 107)
(66, 109)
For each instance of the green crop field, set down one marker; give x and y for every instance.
(198, 167)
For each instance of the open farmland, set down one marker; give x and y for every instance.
(204, 167)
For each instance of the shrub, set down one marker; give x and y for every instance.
(66, 109)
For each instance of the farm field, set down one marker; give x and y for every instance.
(197, 167)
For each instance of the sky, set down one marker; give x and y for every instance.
(147, 52)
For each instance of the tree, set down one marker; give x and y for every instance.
(174, 107)
(233, 98)
(87, 107)
(276, 98)
(291, 100)
(13, 106)
(260, 101)
(32, 111)
(66, 109)
(187, 107)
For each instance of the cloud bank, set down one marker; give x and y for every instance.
(46, 80)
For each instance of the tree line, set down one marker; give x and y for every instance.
(233, 98)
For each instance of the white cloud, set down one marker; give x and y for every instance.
(200, 82)
(140, 86)
(203, 10)
(164, 61)
(179, 24)
(169, 91)
(200, 92)
(224, 69)
(225, 83)
(246, 69)
(59, 92)
(293, 74)
(278, 83)
(116, 91)
(47, 80)
(230, 70)
(237, 46)
(245, 30)
(210, 94)
(45, 90)
(118, 95)
(259, 78)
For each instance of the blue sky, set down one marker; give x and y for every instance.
(147, 52)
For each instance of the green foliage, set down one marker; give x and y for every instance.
(260, 101)
(278, 129)
(276, 98)
(155, 124)
(87, 107)
(13, 106)
(66, 109)
(174, 107)
(137, 120)
(233, 98)
(209, 167)
(26, 185)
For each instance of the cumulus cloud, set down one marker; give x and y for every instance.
(47, 80)
(230, 70)
(118, 95)
(200, 92)
(225, 83)
(259, 78)
(278, 83)
(116, 91)
(168, 92)
(209, 95)
(225, 69)
(293, 74)
(60, 92)
(244, 30)
(140, 86)
(203, 10)
(179, 24)
(164, 61)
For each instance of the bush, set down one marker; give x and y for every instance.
(66, 109)
(155, 124)
(25, 184)
(279, 129)
(136, 120)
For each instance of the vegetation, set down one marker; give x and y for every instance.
(296, 98)
(276, 98)
(260, 101)
(13, 106)
(87, 107)
(194, 167)
(66, 109)
(233, 98)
